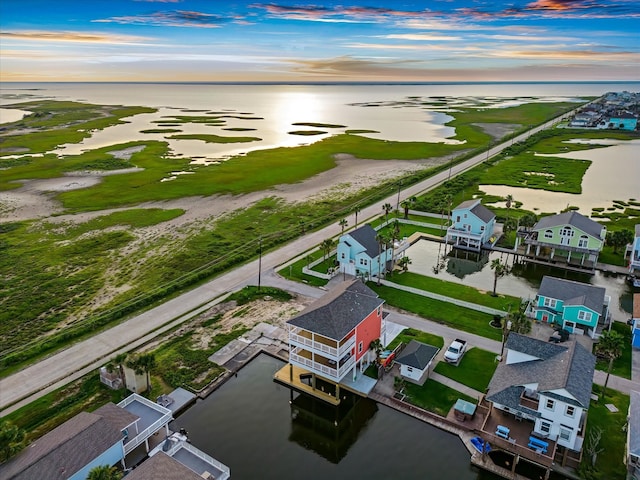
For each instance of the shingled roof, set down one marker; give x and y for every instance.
(339, 311)
(366, 236)
(417, 355)
(573, 293)
(479, 210)
(572, 218)
(568, 366)
(65, 450)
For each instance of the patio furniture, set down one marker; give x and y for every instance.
(502, 432)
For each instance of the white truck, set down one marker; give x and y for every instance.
(455, 351)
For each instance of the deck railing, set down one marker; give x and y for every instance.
(332, 373)
(326, 350)
(133, 441)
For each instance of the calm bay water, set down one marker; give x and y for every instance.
(279, 107)
(249, 425)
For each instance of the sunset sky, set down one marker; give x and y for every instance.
(376, 41)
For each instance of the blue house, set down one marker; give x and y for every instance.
(574, 306)
(635, 321)
(360, 254)
(623, 121)
(472, 225)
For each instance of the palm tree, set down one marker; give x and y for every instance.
(104, 472)
(499, 270)
(11, 440)
(326, 246)
(609, 346)
(343, 223)
(148, 362)
(619, 238)
(387, 207)
(520, 323)
(509, 201)
(407, 205)
(356, 210)
(404, 263)
(382, 240)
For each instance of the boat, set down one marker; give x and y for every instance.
(479, 443)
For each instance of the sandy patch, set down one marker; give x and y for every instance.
(498, 130)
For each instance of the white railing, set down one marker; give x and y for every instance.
(326, 350)
(316, 367)
(136, 440)
(226, 472)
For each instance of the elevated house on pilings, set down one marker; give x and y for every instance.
(329, 343)
(569, 239)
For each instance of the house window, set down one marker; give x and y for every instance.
(482, 228)
(465, 215)
(545, 427)
(565, 434)
(549, 404)
(342, 256)
(363, 261)
(409, 369)
(550, 302)
(548, 234)
(566, 232)
(360, 347)
(457, 218)
(570, 411)
(379, 311)
(583, 242)
(584, 316)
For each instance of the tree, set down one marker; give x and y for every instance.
(327, 246)
(499, 270)
(11, 440)
(609, 346)
(406, 204)
(104, 472)
(143, 364)
(592, 444)
(343, 223)
(528, 220)
(387, 207)
(376, 346)
(356, 210)
(619, 238)
(508, 202)
(520, 323)
(404, 263)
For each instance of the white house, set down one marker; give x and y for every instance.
(416, 360)
(546, 384)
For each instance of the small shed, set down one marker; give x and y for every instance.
(464, 410)
(416, 361)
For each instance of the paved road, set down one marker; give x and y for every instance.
(57, 370)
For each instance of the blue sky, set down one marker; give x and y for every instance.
(227, 40)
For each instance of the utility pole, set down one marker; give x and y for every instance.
(398, 200)
(259, 262)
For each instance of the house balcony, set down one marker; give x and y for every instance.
(322, 345)
(321, 365)
(529, 402)
(151, 418)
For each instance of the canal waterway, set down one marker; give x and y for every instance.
(261, 429)
(428, 258)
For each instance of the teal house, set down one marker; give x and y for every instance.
(633, 252)
(472, 226)
(577, 307)
(569, 238)
(360, 254)
(624, 121)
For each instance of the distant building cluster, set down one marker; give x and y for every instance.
(614, 111)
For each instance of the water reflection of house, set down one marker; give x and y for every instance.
(461, 263)
(538, 398)
(569, 238)
(326, 429)
(331, 340)
(472, 226)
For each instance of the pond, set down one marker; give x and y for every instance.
(474, 270)
(261, 429)
(612, 175)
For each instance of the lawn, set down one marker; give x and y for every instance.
(609, 462)
(621, 365)
(434, 396)
(475, 370)
(409, 334)
(446, 313)
(455, 290)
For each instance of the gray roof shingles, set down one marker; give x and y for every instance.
(366, 236)
(572, 218)
(339, 311)
(568, 366)
(634, 424)
(65, 450)
(479, 210)
(417, 354)
(573, 293)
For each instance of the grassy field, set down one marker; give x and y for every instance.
(455, 290)
(609, 461)
(446, 313)
(434, 397)
(622, 365)
(475, 370)
(409, 334)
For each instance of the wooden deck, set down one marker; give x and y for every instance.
(293, 377)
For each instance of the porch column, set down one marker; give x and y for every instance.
(516, 459)
(338, 392)
(313, 381)
(582, 259)
(528, 248)
(553, 252)
(166, 429)
(291, 373)
(569, 257)
(537, 250)
(146, 444)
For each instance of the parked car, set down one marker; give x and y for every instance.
(455, 351)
